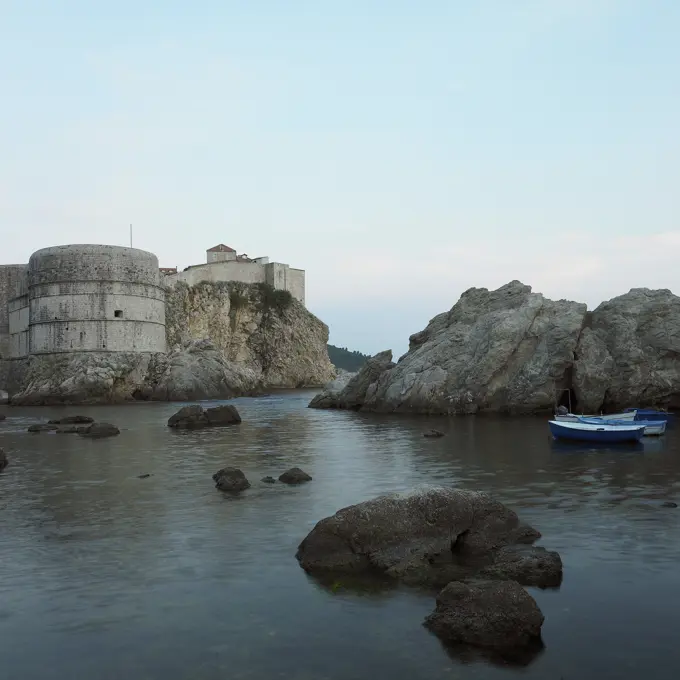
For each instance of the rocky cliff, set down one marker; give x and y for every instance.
(254, 326)
(514, 351)
(226, 340)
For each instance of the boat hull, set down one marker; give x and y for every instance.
(596, 433)
(649, 414)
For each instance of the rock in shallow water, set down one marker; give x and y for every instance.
(433, 434)
(71, 420)
(99, 431)
(295, 476)
(430, 536)
(268, 480)
(196, 417)
(42, 427)
(499, 615)
(231, 479)
(4, 461)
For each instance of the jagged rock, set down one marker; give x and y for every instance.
(255, 327)
(4, 461)
(354, 393)
(434, 434)
(422, 537)
(528, 565)
(99, 431)
(327, 398)
(294, 476)
(197, 370)
(508, 350)
(196, 417)
(268, 480)
(629, 353)
(230, 479)
(499, 615)
(42, 427)
(72, 420)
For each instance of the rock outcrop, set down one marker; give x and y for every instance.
(328, 397)
(499, 615)
(430, 536)
(99, 431)
(514, 351)
(4, 461)
(253, 326)
(196, 417)
(629, 353)
(195, 371)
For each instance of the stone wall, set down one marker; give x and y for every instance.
(279, 276)
(11, 278)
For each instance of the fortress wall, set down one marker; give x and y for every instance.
(95, 298)
(246, 272)
(296, 284)
(12, 276)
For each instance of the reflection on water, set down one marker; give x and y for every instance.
(110, 576)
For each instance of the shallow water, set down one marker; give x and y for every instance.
(105, 575)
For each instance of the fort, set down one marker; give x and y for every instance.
(101, 298)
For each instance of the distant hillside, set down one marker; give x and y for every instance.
(341, 357)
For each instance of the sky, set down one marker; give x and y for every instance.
(400, 152)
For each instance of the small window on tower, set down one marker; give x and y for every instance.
(118, 314)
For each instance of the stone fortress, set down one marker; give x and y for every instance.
(100, 298)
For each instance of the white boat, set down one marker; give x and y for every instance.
(573, 418)
(596, 432)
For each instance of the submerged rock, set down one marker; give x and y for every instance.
(499, 615)
(433, 434)
(99, 431)
(669, 504)
(231, 479)
(196, 417)
(429, 536)
(268, 480)
(4, 461)
(294, 476)
(71, 429)
(42, 427)
(2, 416)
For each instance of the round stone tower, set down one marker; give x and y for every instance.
(92, 298)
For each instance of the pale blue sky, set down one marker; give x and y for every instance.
(400, 152)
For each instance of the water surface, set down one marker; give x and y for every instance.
(105, 575)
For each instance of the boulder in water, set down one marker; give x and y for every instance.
(99, 431)
(499, 615)
(196, 417)
(295, 476)
(433, 434)
(43, 427)
(4, 461)
(230, 479)
(72, 420)
(429, 536)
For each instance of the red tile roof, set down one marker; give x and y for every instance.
(221, 248)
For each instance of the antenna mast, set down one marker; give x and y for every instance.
(130, 236)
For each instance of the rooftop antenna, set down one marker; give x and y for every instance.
(130, 236)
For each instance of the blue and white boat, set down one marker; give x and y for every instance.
(596, 432)
(653, 428)
(649, 414)
(628, 416)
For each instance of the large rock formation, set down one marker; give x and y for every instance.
(255, 327)
(431, 536)
(227, 340)
(629, 353)
(505, 350)
(514, 351)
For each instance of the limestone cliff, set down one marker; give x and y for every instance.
(254, 326)
(514, 351)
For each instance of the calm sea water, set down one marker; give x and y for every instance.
(105, 575)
